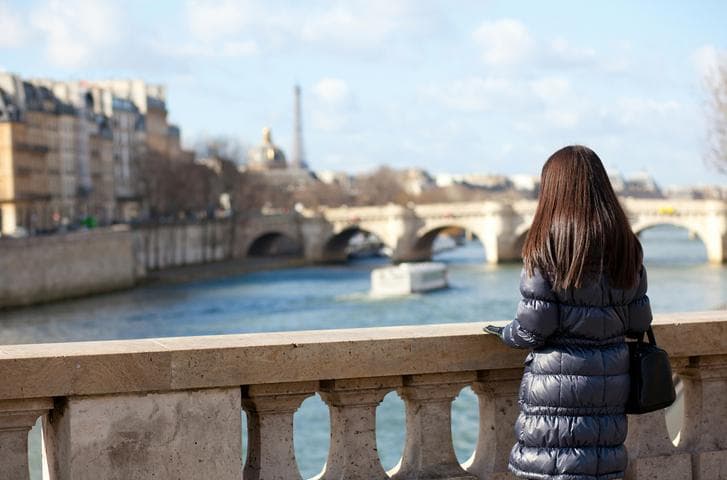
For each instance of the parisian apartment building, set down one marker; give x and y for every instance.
(74, 151)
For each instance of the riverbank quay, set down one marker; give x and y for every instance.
(171, 407)
(43, 269)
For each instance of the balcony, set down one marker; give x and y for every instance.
(171, 408)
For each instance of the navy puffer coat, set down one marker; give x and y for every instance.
(572, 424)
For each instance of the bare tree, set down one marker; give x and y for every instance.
(155, 183)
(320, 194)
(196, 190)
(381, 187)
(717, 111)
(223, 156)
(453, 193)
(252, 192)
(221, 147)
(172, 189)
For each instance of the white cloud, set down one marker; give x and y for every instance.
(77, 31)
(504, 42)
(619, 58)
(473, 94)
(220, 29)
(504, 94)
(329, 120)
(372, 26)
(238, 49)
(13, 30)
(225, 49)
(550, 88)
(508, 42)
(210, 20)
(332, 106)
(332, 90)
(617, 64)
(355, 25)
(562, 117)
(636, 111)
(565, 53)
(368, 26)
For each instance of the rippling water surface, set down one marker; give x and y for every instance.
(336, 297)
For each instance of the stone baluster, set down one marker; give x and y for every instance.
(704, 431)
(173, 434)
(652, 453)
(17, 417)
(428, 451)
(352, 402)
(497, 392)
(270, 409)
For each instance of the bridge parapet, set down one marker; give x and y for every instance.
(459, 209)
(707, 219)
(170, 408)
(502, 226)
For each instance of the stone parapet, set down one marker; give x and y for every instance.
(171, 408)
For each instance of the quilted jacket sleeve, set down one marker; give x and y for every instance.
(537, 314)
(639, 309)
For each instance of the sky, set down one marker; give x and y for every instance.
(450, 86)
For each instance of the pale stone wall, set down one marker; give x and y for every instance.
(164, 246)
(41, 269)
(46, 268)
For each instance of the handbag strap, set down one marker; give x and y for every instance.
(650, 334)
(652, 338)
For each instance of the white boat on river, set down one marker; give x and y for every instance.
(407, 278)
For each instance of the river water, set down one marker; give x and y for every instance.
(336, 297)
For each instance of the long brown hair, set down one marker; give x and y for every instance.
(579, 227)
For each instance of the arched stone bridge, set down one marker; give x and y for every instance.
(501, 227)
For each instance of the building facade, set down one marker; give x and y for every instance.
(74, 152)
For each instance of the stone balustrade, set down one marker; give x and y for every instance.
(171, 408)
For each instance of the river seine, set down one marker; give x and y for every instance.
(337, 297)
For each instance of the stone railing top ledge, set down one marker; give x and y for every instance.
(297, 338)
(127, 366)
(302, 337)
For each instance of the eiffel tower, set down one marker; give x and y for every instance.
(298, 158)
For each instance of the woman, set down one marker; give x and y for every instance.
(584, 290)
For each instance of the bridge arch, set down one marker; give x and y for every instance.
(694, 232)
(273, 244)
(641, 226)
(336, 247)
(423, 245)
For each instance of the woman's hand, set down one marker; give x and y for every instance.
(494, 330)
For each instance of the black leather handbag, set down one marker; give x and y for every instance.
(652, 385)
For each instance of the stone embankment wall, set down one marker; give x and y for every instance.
(43, 269)
(163, 246)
